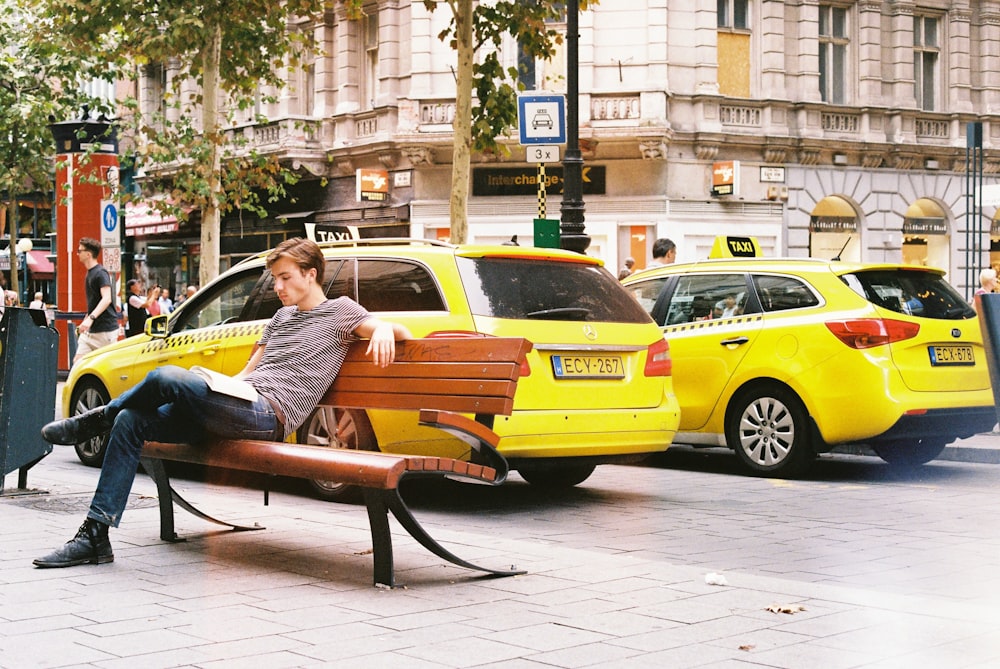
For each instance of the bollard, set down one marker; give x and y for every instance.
(28, 359)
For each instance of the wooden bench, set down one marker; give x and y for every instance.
(442, 378)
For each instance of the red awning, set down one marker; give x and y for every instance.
(142, 220)
(40, 266)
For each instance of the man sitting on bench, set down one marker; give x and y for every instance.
(299, 353)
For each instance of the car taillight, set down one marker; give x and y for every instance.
(658, 361)
(862, 333)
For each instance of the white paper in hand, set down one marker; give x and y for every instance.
(227, 385)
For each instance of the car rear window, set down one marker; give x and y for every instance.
(910, 292)
(546, 290)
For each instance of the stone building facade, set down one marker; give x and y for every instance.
(821, 128)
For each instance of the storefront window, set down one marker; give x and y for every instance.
(833, 230)
(925, 234)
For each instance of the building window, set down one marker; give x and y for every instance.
(833, 42)
(153, 101)
(370, 79)
(733, 46)
(926, 55)
(734, 14)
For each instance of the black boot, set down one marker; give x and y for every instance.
(78, 429)
(89, 546)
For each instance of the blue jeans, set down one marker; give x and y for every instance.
(171, 404)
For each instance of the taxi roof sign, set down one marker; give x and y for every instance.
(735, 247)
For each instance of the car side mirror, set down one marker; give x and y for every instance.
(156, 326)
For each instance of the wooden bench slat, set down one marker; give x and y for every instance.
(457, 349)
(446, 386)
(461, 404)
(430, 370)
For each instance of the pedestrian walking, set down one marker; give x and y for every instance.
(100, 326)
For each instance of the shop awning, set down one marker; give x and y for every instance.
(142, 220)
(40, 266)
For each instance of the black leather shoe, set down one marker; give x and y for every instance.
(78, 429)
(89, 546)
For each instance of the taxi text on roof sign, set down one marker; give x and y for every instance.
(735, 247)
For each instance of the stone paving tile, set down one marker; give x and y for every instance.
(470, 652)
(547, 636)
(53, 648)
(585, 655)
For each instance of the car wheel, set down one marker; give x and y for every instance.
(336, 427)
(86, 396)
(909, 453)
(558, 476)
(767, 428)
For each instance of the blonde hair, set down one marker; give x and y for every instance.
(987, 275)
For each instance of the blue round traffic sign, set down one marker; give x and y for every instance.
(109, 217)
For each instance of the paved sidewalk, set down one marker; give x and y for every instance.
(860, 571)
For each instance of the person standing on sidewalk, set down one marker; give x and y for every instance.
(100, 325)
(297, 358)
(138, 307)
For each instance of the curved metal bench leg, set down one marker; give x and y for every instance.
(405, 517)
(378, 520)
(168, 497)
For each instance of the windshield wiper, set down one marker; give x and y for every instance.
(560, 314)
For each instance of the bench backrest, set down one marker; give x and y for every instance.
(461, 374)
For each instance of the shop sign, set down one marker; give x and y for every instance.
(833, 224)
(524, 180)
(372, 185)
(925, 226)
(142, 220)
(726, 177)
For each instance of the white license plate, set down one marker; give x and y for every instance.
(951, 355)
(588, 367)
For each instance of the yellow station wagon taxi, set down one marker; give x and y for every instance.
(783, 358)
(598, 388)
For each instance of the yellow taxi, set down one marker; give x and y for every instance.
(783, 358)
(598, 388)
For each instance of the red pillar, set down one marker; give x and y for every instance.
(81, 184)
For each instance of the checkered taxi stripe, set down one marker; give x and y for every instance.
(732, 323)
(196, 337)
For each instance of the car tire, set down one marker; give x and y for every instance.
(558, 476)
(768, 428)
(337, 427)
(909, 452)
(88, 395)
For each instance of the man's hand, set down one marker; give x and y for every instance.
(383, 336)
(382, 346)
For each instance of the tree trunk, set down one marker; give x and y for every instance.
(210, 218)
(462, 124)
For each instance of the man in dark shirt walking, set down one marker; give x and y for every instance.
(100, 325)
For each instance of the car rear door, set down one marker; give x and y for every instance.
(706, 347)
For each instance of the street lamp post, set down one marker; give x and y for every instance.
(571, 233)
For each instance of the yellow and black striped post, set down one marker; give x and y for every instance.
(541, 190)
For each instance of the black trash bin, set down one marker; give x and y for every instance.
(29, 352)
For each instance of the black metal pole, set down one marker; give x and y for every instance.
(571, 234)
